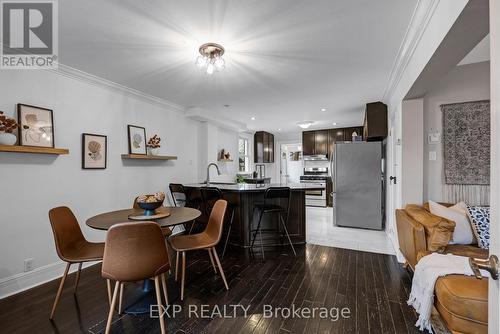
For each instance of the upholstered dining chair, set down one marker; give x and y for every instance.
(207, 239)
(135, 251)
(71, 246)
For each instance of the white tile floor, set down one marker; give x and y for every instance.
(321, 231)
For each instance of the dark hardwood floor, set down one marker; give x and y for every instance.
(373, 286)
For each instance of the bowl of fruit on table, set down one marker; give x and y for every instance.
(149, 203)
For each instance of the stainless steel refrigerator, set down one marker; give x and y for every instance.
(358, 184)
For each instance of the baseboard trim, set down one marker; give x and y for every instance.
(20, 282)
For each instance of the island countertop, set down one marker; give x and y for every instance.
(247, 187)
(243, 198)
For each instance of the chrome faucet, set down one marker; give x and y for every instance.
(208, 172)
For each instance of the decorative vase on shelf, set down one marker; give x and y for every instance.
(153, 151)
(7, 138)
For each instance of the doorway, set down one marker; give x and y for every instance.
(291, 163)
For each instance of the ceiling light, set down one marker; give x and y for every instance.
(253, 118)
(323, 109)
(210, 58)
(334, 123)
(279, 129)
(305, 124)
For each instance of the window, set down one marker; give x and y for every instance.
(243, 158)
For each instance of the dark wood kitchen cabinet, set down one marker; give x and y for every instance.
(375, 124)
(321, 142)
(263, 147)
(315, 142)
(308, 142)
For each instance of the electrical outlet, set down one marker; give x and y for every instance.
(432, 156)
(28, 265)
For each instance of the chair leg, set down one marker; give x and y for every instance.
(108, 282)
(77, 277)
(192, 225)
(257, 230)
(288, 235)
(228, 234)
(176, 265)
(158, 301)
(183, 274)
(212, 260)
(220, 268)
(168, 255)
(112, 307)
(120, 300)
(59, 291)
(261, 244)
(164, 286)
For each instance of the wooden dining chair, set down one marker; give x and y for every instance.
(71, 246)
(207, 239)
(136, 251)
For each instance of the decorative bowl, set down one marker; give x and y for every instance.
(149, 207)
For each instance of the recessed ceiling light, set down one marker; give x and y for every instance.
(305, 124)
(323, 109)
(253, 118)
(227, 105)
(279, 129)
(334, 123)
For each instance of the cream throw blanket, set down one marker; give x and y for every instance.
(427, 271)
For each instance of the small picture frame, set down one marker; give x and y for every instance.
(36, 126)
(94, 151)
(136, 140)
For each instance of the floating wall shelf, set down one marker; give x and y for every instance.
(148, 157)
(33, 149)
(226, 160)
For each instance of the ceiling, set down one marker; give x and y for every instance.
(285, 59)
(479, 54)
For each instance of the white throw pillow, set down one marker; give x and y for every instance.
(463, 234)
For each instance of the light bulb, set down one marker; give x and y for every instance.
(44, 135)
(210, 68)
(201, 61)
(220, 64)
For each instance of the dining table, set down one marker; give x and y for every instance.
(139, 299)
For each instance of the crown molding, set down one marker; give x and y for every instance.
(203, 115)
(73, 73)
(424, 10)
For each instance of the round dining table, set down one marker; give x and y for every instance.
(143, 296)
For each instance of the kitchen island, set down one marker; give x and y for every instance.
(243, 197)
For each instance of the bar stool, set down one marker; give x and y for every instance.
(136, 251)
(181, 198)
(71, 246)
(209, 196)
(270, 195)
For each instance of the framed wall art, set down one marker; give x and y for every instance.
(36, 126)
(136, 140)
(94, 151)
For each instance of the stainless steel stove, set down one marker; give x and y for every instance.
(316, 175)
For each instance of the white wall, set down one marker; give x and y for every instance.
(430, 26)
(412, 173)
(464, 83)
(32, 184)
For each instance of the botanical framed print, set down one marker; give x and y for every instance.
(136, 139)
(36, 126)
(94, 151)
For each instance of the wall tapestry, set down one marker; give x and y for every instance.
(466, 128)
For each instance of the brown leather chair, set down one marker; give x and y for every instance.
(207, 239)
(71, 246)
(133, 252)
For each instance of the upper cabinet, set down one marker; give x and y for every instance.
(315, 142)
(375, 124)
(263, 147)
(308, 142)
(320, 142)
